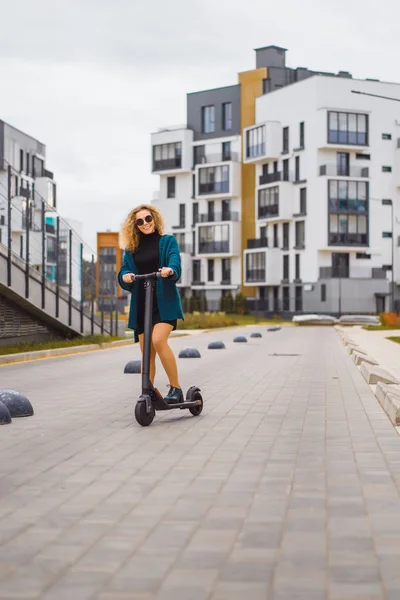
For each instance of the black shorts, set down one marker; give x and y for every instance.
(156, 319)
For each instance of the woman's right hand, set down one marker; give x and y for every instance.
(128, 277)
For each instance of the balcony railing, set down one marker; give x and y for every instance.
(255, 275)
(216, 158)
(268, 211)
(257, 243)
(254, 151)
(343, 272)
(336, 171)
(216, 187)
(270, 178)
(167, 164)
(349, 205)
(348, 239)
(213, 247)
(216, 217)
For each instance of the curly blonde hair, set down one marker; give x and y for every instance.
(129, 235)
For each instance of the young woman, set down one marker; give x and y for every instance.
(149, 249)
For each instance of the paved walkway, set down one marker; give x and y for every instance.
(286, 488)
(376, 344)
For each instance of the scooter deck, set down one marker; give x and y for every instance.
(161, 405)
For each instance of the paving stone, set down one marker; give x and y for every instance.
(286, 487)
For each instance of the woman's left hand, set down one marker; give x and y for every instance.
(166, 271)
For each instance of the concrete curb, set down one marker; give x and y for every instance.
(383, 384)
(8, 359)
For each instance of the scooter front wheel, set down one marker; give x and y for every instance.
(142, 417)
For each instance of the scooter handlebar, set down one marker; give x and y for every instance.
(146, 276)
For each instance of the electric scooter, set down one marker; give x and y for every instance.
(150, 399)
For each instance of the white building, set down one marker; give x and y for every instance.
(283, 187)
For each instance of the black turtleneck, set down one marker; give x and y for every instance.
(147, 260)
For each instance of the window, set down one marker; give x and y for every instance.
(2, 220)
(193, 186)
(226, 270)
(255, 266)
(298, 298)
(226, 151)
(299, 234)
(226, 210)
(386, 136)
(276, 240)
(196, 271)
(227, 116)
(348, 196)
(170, 187)
(323, 292)
(214, 180)
(301, 135)
(167, 156)
(285, 231)
(182, 215)
(37, 167)
(360, 156)
(348, 128)
(343, 164)
(285, 298)
(199, 155)
(276, 298)
(213, 239)
(386, 234)
(268, 202)
(208, 119)
(348, 229)
(27, 170)
(303, 201)
(285, 267)
(286, 169)
(297, 168)
(255, 142)
(297, 266)
(195, 213)
(21, 160)
(210, 269)
(362, 255)
(285, 140)
(386, 169)
(211, 211)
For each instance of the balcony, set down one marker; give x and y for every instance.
(348, 239)
(262, 142)
(219, 217)
(172, 150)
(254, 243)
(335, 171)
(221, 181)
(270, 178)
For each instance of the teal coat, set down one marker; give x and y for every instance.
(168, 298)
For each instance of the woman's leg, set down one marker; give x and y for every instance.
(152, 358)
(161, 332)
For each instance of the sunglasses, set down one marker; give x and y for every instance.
(140, 222)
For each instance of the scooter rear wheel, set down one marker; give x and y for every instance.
(196, 410)
(142, 417)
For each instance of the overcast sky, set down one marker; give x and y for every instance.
(92, 79)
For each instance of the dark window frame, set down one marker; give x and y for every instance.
(344, 139)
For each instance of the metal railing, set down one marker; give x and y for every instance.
(257, 243)
(337, 171)
(270, 178)
(167, 164)
(213, 247)
(218, 217)
(271, 210)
